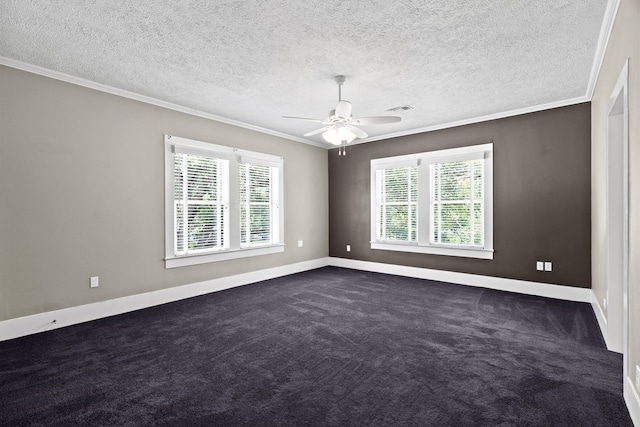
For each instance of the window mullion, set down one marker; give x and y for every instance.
(233, 203)
(424, 203)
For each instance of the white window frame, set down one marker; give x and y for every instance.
(423, 162)
(232, 248)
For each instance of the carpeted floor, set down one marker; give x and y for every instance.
(328, 347)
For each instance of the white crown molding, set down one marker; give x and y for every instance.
(603, 41)
(470, 121)
(146, 99)
(157, 102)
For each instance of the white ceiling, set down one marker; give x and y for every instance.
(252, 62)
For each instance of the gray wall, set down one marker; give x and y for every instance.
(82, 194)
(541, 196)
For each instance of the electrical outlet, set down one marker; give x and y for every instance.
(348, 248)
(539, 265)
(547, 266)
(604, 303)
(638, 378)
(94, 282)
(299, 243)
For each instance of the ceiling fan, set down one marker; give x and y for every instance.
(340, 127)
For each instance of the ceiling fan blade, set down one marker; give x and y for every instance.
(317, 131)
(343, 109)
(357, 131)
(304, 118)
(380, 120)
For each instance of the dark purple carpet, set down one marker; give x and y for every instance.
(328, 347)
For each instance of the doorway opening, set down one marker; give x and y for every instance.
(617, 245)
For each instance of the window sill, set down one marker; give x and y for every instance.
(434, 250)
(184, 261)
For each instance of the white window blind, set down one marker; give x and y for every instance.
(255, 204)
(397, 204)
(457, 203)
(200, 203)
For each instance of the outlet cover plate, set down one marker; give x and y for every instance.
(94, 282)
(547, 266)
(539, 265)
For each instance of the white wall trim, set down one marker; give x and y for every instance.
(146, 99)
(603, 40)
(473, 120)
(601, 318)
(632, 400)
(499, 283)
(171, 106)
(27, 325)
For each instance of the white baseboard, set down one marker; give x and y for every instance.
(27, 325)
(511, 285)
(632, 400)
(602, 319)
(14, 328)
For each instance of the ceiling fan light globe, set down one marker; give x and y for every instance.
(344, 133)
(339, 134)
(331, 136)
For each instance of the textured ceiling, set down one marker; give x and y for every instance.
(255, 61)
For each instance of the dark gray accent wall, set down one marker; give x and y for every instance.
(542, 196)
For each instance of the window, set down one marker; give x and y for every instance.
(438, 202)
(222, 203)
(201, 203)
(457, 203)
(398, 203)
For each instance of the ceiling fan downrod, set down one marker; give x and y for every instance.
(340, 79)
